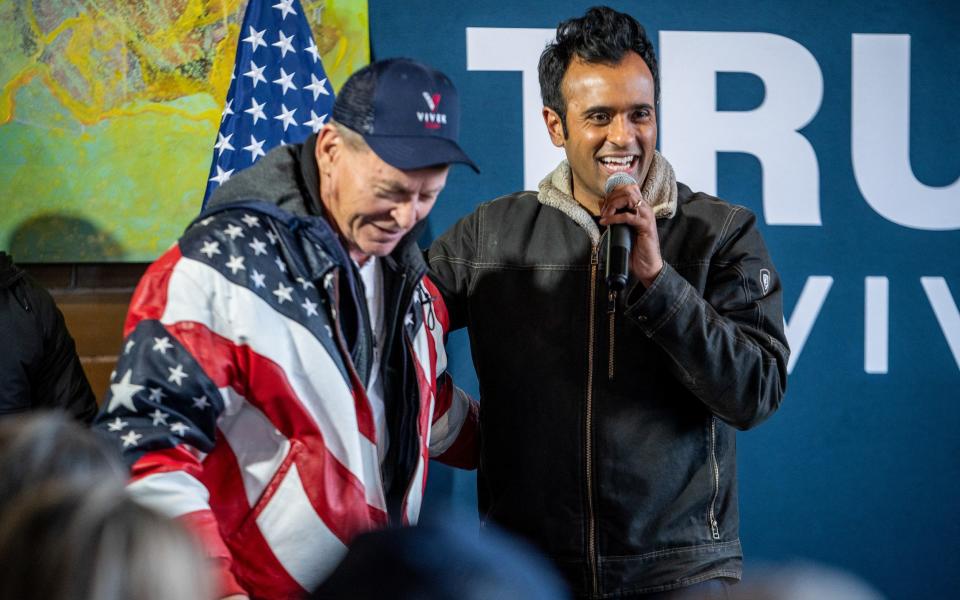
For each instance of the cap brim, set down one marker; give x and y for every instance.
(417, 152)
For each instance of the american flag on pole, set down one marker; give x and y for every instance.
(279, 93)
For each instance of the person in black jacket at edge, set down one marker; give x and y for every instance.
(39, 366)
(608, 419)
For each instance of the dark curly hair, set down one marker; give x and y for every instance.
(602, 35)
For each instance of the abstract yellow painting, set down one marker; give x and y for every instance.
(109, 111)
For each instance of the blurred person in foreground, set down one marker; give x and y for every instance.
(51, 446)
(442, 558)
(801, 580)
(281, 385)
(69, 531)
(65, 541)
(608, 414)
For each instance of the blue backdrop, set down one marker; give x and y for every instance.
(860, 468)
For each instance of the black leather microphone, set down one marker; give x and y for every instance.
(619, 240)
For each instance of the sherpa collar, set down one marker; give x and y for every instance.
(659, 190)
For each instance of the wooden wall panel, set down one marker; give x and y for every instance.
(95, 320)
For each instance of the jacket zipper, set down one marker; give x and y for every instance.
(588, 426)
(355, 380)
(341, 342)
(611, 313)
(391, 324)
(403, 308)
(714, 526)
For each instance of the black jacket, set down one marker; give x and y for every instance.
(39, 367)
(628, 483)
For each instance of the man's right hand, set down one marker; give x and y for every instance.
(625, 205)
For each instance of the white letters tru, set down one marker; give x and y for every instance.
(693, 130)
(880, 138)
(514, 49)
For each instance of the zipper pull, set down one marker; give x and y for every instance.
(23, 301)
(427, 300)
(611, 313)
(715, 528)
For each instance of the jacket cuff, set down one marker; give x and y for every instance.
(204, 527)
(653, 307)
(225, 584)
(464, 452)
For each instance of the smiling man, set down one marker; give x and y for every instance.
(608, 415)
(281, 385)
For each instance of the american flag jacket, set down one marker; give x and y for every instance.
(239, 407)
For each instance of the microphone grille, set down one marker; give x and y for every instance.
(618, 179)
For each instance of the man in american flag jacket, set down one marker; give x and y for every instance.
(281, 384)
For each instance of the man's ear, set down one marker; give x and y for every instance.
(329, 147)
(554, 126)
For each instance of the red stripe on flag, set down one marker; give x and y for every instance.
(254, 563)
(168, 460)
(431, 357)
(203, 525)
(439, 306)
(361, 405)
(228, 532)
(228, 498)
(441, 385)
(335, 492)
(444, 397)
(464, 453)
(425, 417)
(150, 298)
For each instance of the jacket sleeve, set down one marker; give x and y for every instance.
(454, 436)
(455, 423)
(62, 383)
(727, 346)
(452, 257)
(162, 407)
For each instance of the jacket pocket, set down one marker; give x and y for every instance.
(249, 525)
(253, 562)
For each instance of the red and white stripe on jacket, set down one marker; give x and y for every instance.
(274, 461)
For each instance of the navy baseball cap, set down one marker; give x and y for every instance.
(407, 112)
